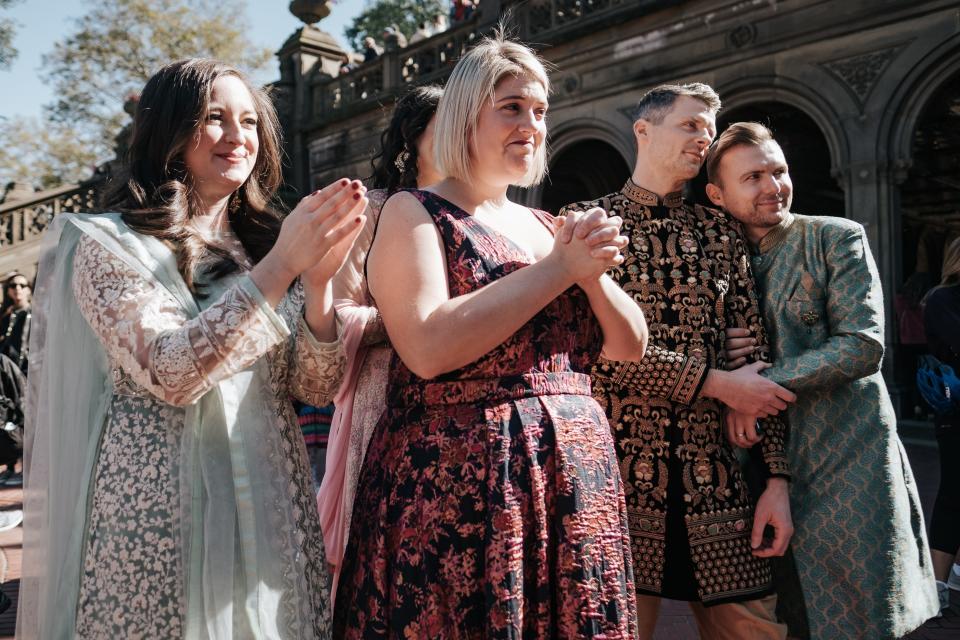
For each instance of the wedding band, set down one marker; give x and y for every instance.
(741, 434)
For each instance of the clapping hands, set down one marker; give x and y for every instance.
(319, 233)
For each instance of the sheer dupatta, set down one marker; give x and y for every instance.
(242, 564)
(357, 317)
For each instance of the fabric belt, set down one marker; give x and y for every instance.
(491, 390)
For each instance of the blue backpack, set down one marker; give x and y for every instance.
(938, 385)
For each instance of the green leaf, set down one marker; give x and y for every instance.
(110, 53)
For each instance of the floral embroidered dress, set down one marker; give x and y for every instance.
(194, 516)
(490, 503)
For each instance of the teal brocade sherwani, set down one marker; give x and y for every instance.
(860, 549)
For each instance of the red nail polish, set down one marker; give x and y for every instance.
(356, 196)
(344, 182)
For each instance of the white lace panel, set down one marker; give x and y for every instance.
(148, 336)
(317, 367)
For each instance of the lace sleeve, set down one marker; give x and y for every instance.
(146, 333)
(317, 367)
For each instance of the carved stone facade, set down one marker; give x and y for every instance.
(865, 94)
(24, 219)
(860, 73)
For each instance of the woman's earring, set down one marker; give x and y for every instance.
(234, 205)
(400, 162)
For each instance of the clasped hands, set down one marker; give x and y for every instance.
(751, 396)
(588, 243)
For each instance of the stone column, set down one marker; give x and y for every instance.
(309, 51)
(870, 184)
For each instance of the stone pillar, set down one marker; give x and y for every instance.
(309, 51)
(870, 184)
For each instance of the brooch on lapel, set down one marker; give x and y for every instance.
(810, 318)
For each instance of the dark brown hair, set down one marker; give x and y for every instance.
(411, 115)
(156, 195)
(752, 134)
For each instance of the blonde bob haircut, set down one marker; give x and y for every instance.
(472, 84)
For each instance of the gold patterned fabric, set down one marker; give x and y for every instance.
(687, 268)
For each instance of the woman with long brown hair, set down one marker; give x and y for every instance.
(168, 492)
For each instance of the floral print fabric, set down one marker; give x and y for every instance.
(490, 503)
(134, 574)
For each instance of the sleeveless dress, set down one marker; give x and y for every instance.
(490, 503)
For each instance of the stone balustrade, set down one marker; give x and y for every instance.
(366, 86)
(23, 221)
(539, 22)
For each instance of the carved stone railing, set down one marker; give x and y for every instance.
(539, 22)
(25, 220)
(369, 84)
(538, 18)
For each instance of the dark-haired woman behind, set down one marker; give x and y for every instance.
(404, 161)
(168, 492)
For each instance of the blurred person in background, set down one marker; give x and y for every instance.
(941, 318)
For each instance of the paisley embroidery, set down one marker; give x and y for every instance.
(687, 268)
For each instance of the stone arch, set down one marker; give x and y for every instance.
(759, 89)
(924, 80)
(925, 77)
(922, 125)
(588, 159)
(809, 133)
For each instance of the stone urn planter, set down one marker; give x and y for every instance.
(310, 11)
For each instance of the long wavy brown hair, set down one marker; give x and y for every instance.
(156, 195)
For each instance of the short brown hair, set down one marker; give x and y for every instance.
(751, 134)
(657, 103)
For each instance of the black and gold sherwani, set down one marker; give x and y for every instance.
(687, 268)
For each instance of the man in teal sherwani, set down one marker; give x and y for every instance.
(859, 546)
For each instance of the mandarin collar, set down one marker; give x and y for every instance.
(648, 198)
(775, 236)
